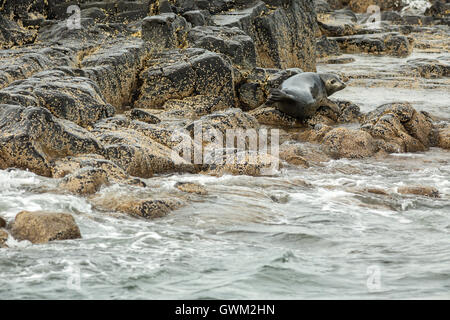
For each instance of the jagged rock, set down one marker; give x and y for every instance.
(11, 34)
(42, 227)
(401, 127)
(420, 191)
(342, 60)
(196, 17)
(348, 143)
(327, 47)
(24, 62)
(383, 43)
(195, 106)
(302, 154)
(350, 112)
(177, 75)
(115, 68)
(361, 6)
(283, 32)
(30, 138)
(444, 138)
(190, 187)
(85, 181)
(439, 9)
(232, 42)
(417, 20)
(273, 116)
(76, 99)
(2, 223)
(337, 23)
(3, 238)
(429, 68)
(144, 208)
(139, 155)
(165, 31)
(322, 6)
(144, 116)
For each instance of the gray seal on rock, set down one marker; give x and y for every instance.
(301, 95)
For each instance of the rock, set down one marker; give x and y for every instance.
(194, 106)
(72, 98)
(85, 181)
(383, 43)
(401, 127)
(439, 9)
(350, 112)
(42, 227)
(2, 223)
(322, 6)
(420, 191)
(444, 138)
(348, 143)
(139, 155)
(327, 47)
(392, 16)
(361, 6)
(232, 42)
(337, 23)
(165, 31)
(283, 32)
(177, 75)
(144, 208)
(11, 34)
(343, 60)
(30, 138)
(196, 18)
(273, 116)
(417, 20)
(378, 191)
(3, 238)
(302, 154)
(144, 116)
(429, 68)
(191, 188)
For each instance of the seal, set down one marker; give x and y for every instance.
(301, 95)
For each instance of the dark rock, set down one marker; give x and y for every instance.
(232, 42)
(85, 181)
(337, 23)
(144, 116)
(31, 138)
(196, 18)
(429, 68)
(439, 9)
(327, 47)
(177, 75)
(420, 190)
(11, 34)
(2, 223)
(165, 31)
(42, 227)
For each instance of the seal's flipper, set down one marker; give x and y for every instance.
(279, 96)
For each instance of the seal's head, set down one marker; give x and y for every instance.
(332, 83)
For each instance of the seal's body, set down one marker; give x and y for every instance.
(301, 95)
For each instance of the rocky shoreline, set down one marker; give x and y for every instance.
(99, 104)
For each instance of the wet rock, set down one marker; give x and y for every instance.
(349, 112)
(139, 155)
(30, 138)
(327, 47)
(72, 98)
(42, 227)
(115, 68)
(3, 238)
(177, 75)
(420, 191)
(144, 116)
(383, 43)
(194, 106)
(196, 18)
(344, 60)
(439, 9)
(11, 34)
(273, 116)
(361, 6)
(85, 181)
(322, 6)
(165, 31)
(302, 154)
(348, 143)
(144, 208)
(2, 223)
(417, 20)
(190, 187)
(401, 127)
(284, 34)
(429, 68)
(392, 16)
(444, 138)
(377, 191)
(337, 23)
(233, 42)
(18, 64)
